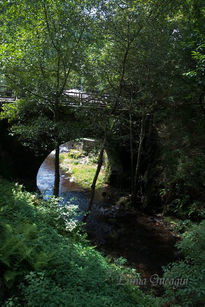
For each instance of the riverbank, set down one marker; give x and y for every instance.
(146, 242)
(81, 168)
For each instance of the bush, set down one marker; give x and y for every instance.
(75, 154)
(192, 268)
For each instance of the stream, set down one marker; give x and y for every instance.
(145, 241)
(70, 191)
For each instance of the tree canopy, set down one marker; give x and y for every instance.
(141, 58)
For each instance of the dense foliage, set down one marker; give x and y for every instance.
(183, 154)
(144, 63)
(192, 269)
(144, 60)
(46, 261)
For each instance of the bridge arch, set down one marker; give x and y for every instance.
(22, 163)
(45, 175)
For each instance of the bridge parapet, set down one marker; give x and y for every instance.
(75, 98)
(6, 94)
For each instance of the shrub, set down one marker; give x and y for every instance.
(192, 268)
(75, 154)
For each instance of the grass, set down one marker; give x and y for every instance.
(82, 168)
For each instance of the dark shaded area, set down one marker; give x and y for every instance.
(17, 162)
(143, 240)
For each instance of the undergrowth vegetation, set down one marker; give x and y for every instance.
(192, 269)
(46, 260)
(182, 178)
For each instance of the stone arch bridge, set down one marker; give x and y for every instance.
(21, 163)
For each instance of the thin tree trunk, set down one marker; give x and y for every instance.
(131, 151)
(93, 186)
(57, 149)
(57, 172)
(139, 154)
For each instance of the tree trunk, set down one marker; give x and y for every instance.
(139, 154)
(57, 149)
(57, 172)
(131, 153)
(93, 186)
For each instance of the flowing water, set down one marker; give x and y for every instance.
(70, 191)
